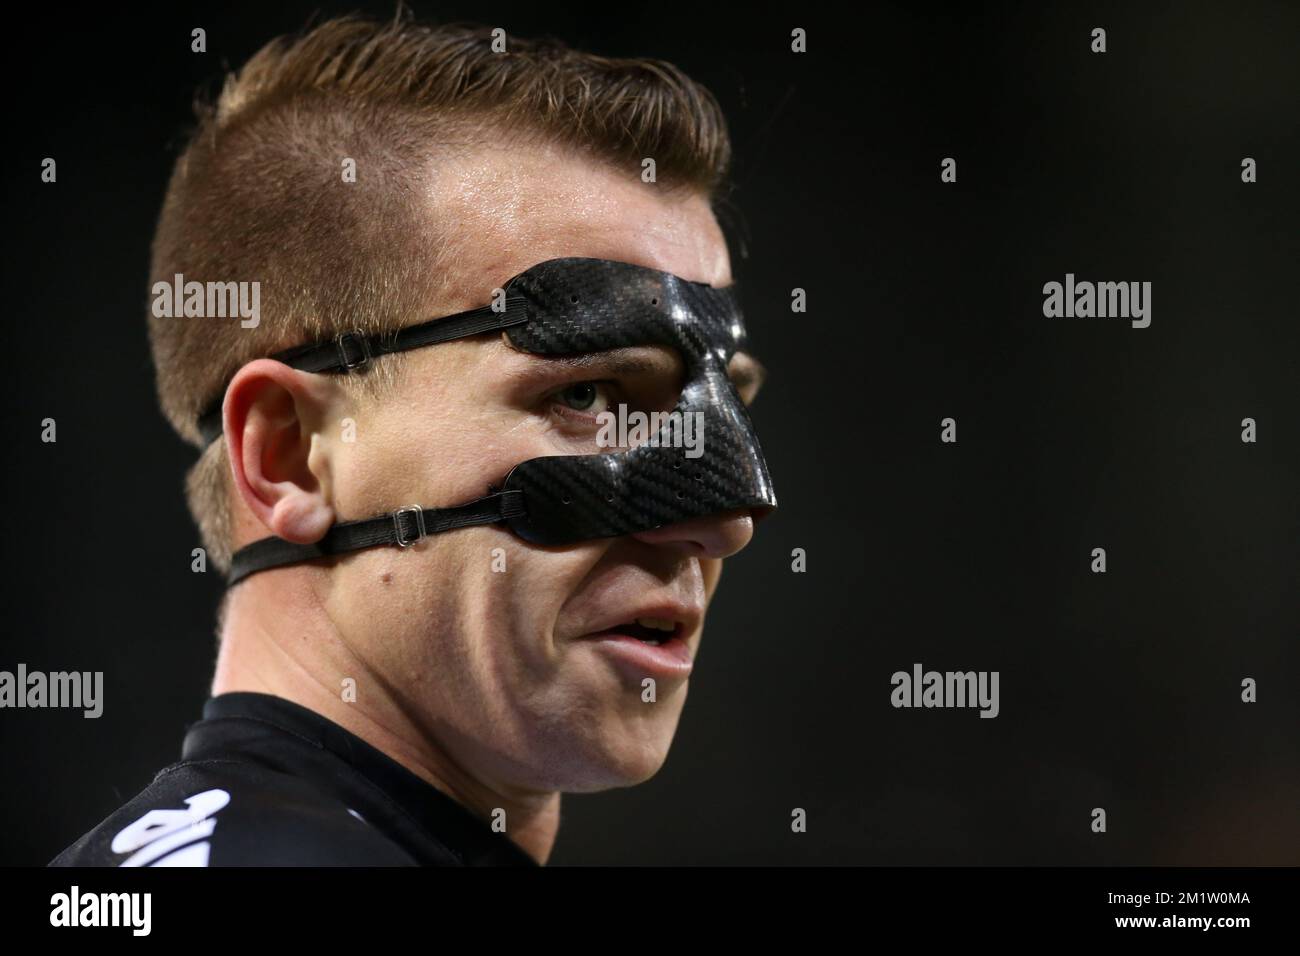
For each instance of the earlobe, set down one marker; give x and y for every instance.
(271, 416)
(301, 518)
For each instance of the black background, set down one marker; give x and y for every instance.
(1118, 690)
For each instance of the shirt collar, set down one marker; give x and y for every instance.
(239, 721)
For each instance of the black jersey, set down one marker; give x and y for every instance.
(263, 781)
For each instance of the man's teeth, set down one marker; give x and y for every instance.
(662, 625)
(657, 624)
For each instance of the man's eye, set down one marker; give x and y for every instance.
(580, 397)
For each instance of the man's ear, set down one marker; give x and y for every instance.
(271, 415)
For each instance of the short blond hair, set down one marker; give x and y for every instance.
(258, 195)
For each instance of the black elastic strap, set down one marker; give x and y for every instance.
(353, 350)
(402, 527)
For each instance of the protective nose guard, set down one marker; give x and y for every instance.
(562, 307)
(590, 305)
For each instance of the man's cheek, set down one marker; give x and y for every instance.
(545, 581)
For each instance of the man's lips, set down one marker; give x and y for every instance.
(639, 660)
(669, 620)
(642, 645)
(660, 632)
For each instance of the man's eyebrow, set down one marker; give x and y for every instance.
(624, 361)
(747, 375)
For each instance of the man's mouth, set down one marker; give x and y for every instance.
(646, 647)
(648, 630)
(654, 640)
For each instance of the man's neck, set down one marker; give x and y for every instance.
(255, 656)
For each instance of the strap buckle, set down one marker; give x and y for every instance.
(404, 542)
(362, 348)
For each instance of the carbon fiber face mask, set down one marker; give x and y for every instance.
(573, 306)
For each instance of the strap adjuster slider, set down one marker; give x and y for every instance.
(402, 541)
(361, 347)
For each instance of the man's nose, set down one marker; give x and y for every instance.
(713, 536)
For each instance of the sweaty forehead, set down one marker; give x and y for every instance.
(501, 210)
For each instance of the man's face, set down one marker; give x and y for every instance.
(487, 641)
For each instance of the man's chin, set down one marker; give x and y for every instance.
(619, 763)
(612, 780)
